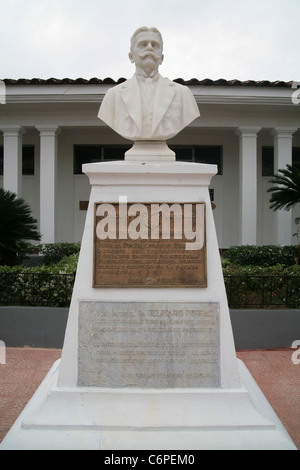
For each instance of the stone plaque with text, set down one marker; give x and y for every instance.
(148, 344)
(149, 245)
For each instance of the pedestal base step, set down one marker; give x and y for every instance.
(117, 419)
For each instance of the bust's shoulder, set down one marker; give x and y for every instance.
(127, 84)
(178, 86)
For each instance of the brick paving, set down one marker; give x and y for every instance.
(279, 380)
(273, 370)
(23, 372)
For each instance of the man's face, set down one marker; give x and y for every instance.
(146, 51)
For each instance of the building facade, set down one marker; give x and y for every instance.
(49, 128)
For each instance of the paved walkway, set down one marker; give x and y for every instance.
(273, 370)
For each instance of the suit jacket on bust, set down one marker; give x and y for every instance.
(174, 108)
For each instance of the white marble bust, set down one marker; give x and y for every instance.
(148, 107)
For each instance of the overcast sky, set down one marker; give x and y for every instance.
(231, 39)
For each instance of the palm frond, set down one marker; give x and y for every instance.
(16, 224)
(286, 189)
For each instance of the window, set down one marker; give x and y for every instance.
(268, 160)
(114, 153)
(27, 160)
(96, 153)
(296, 157)
(1, 160)
(183, 154)
(85, 154)
(211, 154)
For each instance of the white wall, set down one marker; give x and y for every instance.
(74, 188)
(31, 183)
(221, 114)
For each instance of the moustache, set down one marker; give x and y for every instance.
(151, 54)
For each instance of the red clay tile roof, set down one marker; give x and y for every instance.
(110, 81)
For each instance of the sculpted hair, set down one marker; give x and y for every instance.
(142, 30)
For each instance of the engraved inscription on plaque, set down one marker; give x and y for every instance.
(149, 245)
(148, 344)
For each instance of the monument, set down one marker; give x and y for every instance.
(148, 109)
(148, 360)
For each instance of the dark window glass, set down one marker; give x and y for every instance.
(296, 157)
(1, 160)
(114, 153)
(183, 154)
(85, 154)
(27, 160)
(211, 154)
(267, 161)
(96, 153)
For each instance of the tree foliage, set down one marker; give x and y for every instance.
(286, 189)
(16, 226)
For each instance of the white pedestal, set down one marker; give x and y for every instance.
(79, 418)
(232, 415)
(150, 151)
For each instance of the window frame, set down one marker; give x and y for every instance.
(24, 157)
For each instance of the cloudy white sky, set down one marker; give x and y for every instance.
(231, 39)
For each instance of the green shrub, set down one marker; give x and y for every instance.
(251, 255)
(39, 285)
(262, 286)
(231, 269)
(54, 252)
(68, 265)
(258, 286)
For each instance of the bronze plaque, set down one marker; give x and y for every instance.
(149, 245)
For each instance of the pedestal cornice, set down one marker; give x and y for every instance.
(148, 173)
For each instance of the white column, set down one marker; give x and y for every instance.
(12, 164)
(248, 185)
(48, 162)
(283, 140)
